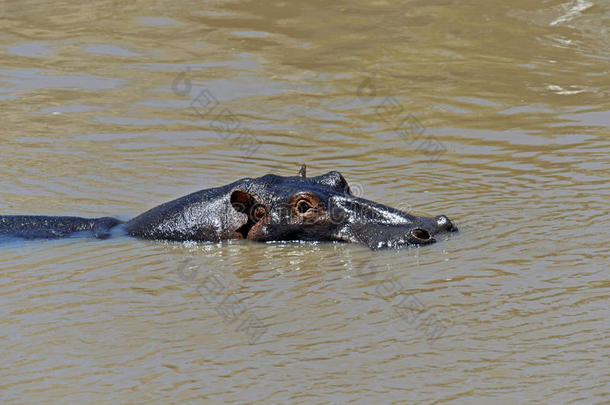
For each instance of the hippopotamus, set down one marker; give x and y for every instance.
(267, 208)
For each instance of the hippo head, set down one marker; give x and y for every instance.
(323, 208)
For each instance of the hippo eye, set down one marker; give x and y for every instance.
(303, 206)
(258, 212)
(306, 205)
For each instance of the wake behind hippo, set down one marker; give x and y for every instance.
(268, 208)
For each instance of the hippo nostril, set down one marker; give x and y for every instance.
(442, 220)
(421, 234)
(444, 223)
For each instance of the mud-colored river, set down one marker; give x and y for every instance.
(494, 113)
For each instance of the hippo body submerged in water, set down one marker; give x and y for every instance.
(268, 208)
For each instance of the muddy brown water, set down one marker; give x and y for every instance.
(494, 113)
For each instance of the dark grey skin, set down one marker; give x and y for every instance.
(268, 208)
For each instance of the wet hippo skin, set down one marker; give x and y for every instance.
(267, 208)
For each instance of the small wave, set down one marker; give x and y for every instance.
(572, 10)
(560, 90)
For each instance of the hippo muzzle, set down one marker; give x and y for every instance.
(379, 226)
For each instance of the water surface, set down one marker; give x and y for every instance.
(493, 113)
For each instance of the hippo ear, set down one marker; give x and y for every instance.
(303, 171)
(241, 201)
(244, 203)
